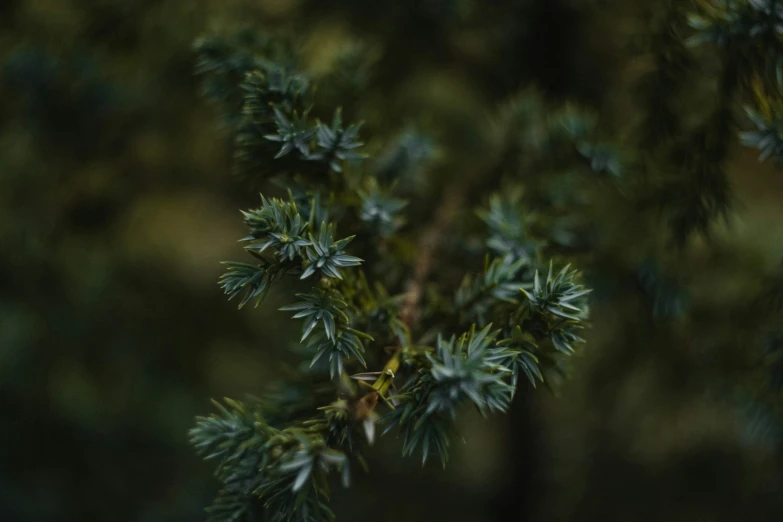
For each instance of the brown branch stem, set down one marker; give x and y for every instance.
(428, 245)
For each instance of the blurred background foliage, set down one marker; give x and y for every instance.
(116, 204)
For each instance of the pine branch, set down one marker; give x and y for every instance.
(287, 467)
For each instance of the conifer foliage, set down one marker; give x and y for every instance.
(363, 326)
(392, 344)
